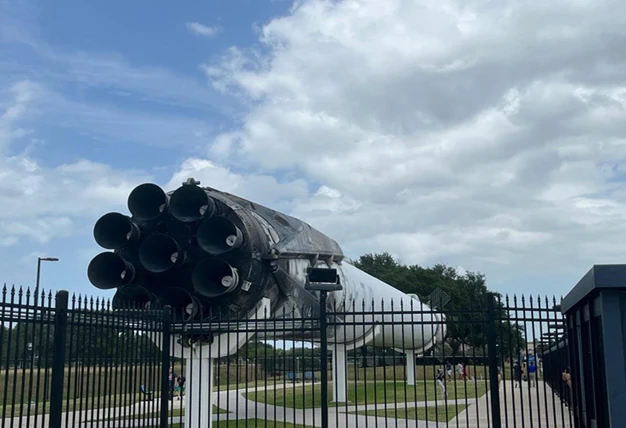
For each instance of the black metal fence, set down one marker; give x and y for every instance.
(74, 361)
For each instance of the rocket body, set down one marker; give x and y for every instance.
(207, 252)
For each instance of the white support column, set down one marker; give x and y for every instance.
(410, 368)
(199, 397)
(340, 360)
(340, 368)
(200, 366)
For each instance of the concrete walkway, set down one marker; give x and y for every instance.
(338, 417)
(523, 407)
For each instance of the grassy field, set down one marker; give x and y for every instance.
(398, 372)
(251, 423)
(172, 413)
(95, 387)
(75, 404)
(24, 385)
(430, 413)
(307, 397)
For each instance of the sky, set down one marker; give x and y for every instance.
(489, 136)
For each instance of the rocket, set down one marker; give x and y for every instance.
(206, 252)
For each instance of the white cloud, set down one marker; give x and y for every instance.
(485, 135)
(488, 136)
(40, 203)
(264, 189)
(202, 30)
(13, 105)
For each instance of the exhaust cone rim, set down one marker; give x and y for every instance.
(159, 253)
(219, 235)
(147, 202)
(109, 270)
(181, 300)
(132, 296)
(191, 203)
(114, 230)
(214, 277)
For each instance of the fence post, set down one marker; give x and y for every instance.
(58, 358)
(165, 367)
(492, 352)
(324, 358)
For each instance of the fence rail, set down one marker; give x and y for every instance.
(74, 361)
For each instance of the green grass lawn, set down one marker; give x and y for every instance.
(430, 413)
(172, 413)
(307, 397)
(104, 401)
(71, 405)
(251, 423)
(253, 384)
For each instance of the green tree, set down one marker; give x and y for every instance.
(466, 310)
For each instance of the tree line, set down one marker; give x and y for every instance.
(27, 343)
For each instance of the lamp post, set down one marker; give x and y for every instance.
(39, 260)
(324, 281)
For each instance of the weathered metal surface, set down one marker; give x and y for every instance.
(207, 253)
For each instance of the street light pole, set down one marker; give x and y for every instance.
(324, 281)
(39, 260)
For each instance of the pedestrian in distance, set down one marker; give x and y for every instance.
(440, 378)
(460, 371)
(517, 374)
(532, 374)
(172, 381)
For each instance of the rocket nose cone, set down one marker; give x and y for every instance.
(132, 296)
(147, 202)
(159, 253)
(219, 235)
(214, 277)
(109, 270)
(114, 230)
(191, 203)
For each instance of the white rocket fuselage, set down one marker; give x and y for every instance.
(405, 323)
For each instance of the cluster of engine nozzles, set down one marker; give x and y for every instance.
(164, 233)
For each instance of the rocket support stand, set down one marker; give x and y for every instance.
(200, 368)
(410, 367)
(340, 363)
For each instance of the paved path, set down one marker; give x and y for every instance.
(338, 417)
(523, 407)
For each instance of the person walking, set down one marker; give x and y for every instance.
(180, 388)
(172, 380)
(440, 381)
(566, 377)
(459, 370)
(532, 374)
(517, 374)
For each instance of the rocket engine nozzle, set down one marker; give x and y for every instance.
(132, 296)
(191, 203)
(219, 235)
(109, 270)
(220, 251)
(147, 202)
(159, 253)
(214, 277)
(114, 230)
(181, 301)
